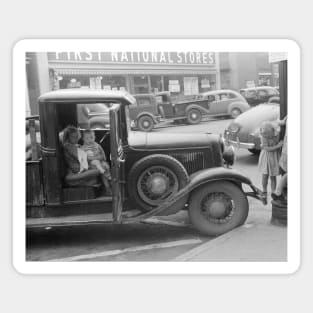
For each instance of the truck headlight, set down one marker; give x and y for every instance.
(229, 155)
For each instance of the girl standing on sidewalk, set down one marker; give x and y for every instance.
(269, 156)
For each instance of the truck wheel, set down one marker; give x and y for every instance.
(145, 123)
(194, 116)
(218, 207)
(155, 178)
(254, 151)
(235, 112)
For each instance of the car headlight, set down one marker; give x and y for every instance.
(234, 128)
(229, 155)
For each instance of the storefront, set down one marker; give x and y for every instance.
(182, 73)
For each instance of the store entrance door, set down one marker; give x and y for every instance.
(141, 84)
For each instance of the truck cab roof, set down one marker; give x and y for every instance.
(81, 94)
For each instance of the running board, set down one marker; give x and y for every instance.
(76, 220)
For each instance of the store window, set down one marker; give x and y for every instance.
(141, 84)
(191, 86)
(113, 83)
(265, 79)
(74, 81)
(156, 83)
(207, 82)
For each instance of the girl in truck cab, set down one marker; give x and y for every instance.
(96, 158)
(71, 136)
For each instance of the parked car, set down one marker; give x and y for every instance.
(94, 115)
(143, 113)
(157, 174)
(225, 102)
(261, 94)
(243, 132)
(215, 103)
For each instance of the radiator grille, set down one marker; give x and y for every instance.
(192, 161)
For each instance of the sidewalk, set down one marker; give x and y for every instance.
(256, 240)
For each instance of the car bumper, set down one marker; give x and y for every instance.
(237, 143)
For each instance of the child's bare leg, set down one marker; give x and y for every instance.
(107, 185)
(97, 164)
(281, 185)
(264, 182)
(273, 183)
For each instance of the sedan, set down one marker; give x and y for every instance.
(244, 131)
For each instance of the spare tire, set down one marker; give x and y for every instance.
(154, 179)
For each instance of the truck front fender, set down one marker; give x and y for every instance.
(149, 114)
(197, 107)
(196, 180)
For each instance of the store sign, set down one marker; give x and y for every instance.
(187, 58)
(205, 83)
(250, 84)
(173, 86)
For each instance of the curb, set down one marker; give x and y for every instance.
(207, 245)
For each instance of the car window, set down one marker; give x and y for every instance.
(226, 96)
(97, 107)
(211, 98)
(232, 95)
(272, 92)
(88, 113)
(251, 93)
(144, 101)
(262, 93)
(159, 99)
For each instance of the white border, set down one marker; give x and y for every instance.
(218, 45)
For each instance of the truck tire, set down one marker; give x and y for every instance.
(154, 179)
(218, 207)
(194, 116)
(145, 123)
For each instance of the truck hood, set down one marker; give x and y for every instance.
(162, 141)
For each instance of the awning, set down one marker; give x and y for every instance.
(128, 70)
(72, 72)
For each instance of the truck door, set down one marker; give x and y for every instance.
(117, 161)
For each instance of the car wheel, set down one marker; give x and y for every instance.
(154, 179)
(145, 123)
(217, 208)
(194, 116)
(255, 151)
(235, 112)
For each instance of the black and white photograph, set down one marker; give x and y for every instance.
(156, 156)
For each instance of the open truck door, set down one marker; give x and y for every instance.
(117, 162)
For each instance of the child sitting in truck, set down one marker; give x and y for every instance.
(96, 158)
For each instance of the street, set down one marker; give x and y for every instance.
(160, 239)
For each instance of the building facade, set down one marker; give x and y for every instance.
(183, 74)
(247, 69)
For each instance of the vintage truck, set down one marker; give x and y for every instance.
(152, 173)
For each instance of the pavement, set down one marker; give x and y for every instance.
(257, 240)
